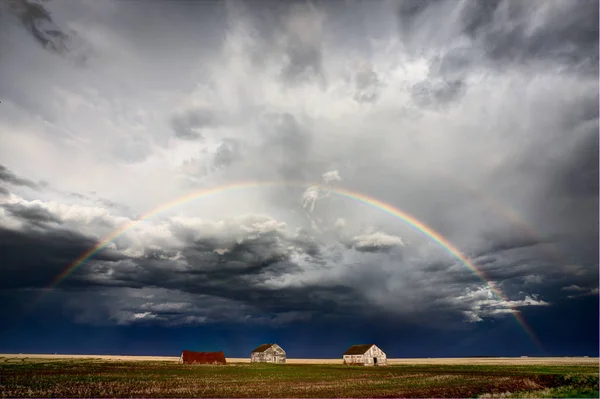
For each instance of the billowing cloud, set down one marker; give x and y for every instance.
(331, 176)
(376, 242)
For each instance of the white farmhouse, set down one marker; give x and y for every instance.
(365, 355)
(268, 353)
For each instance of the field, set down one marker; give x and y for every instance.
(119, 376)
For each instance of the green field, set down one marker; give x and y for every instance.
(89, 378)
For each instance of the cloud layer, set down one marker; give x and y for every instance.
(478, 118)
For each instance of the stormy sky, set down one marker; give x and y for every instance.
(477, 118)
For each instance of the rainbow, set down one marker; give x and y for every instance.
(359, 197)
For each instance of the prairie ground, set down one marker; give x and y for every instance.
(43, 376)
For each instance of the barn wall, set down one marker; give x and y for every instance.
(374, 351)
(367, 358)
(274, 354)
(189, 357)
(354, 359)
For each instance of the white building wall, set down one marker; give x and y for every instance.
(367, 357)
(275, 354)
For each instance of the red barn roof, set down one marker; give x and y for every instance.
(190, 357)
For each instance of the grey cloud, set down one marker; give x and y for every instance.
(236, 279)
(508, 240)
(188, 125)
(261, 255)
(501, 33)
(38, 21)
(288, 145)
(55, 249)
(376, 242)
(112, 204)
(6, 175)
(227, 153)
(573, 287)
(454, 64)
(368, 84)
(431, 93)
(447, 78)
(409, 12)
(303, 27)
(239, 273)
(577, 291)
(152, 305)
(518, 124)
(567, 35)
(79, 196)
(477, 16)
(32, 214)
(578, 176)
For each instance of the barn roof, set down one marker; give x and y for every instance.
(262, 348)
(358, 349)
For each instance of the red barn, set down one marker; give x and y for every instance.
(189, 357)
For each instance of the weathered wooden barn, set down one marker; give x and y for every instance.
(365, 355)
(190, 357)
(268, 353)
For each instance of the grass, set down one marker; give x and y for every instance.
(93, 378)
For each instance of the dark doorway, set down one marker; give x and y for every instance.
(374, 360)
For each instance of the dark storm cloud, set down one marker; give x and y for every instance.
(261, 255)
(567, 34)
(7, 176)
(502, 241)
(202, 276)
(31, 214)
(188, 125)
(502, 33)
(38, 21)
(563, 33)
(236, 276)
(33, 257)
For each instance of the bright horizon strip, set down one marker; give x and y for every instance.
(410, 220)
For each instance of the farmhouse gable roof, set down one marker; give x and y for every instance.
(358, 349)
(262, 348)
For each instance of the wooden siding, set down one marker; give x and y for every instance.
(189, 357)
(366, 359)
(274, 354)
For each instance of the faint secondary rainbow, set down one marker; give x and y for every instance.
(362, 198)
(510, 214)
